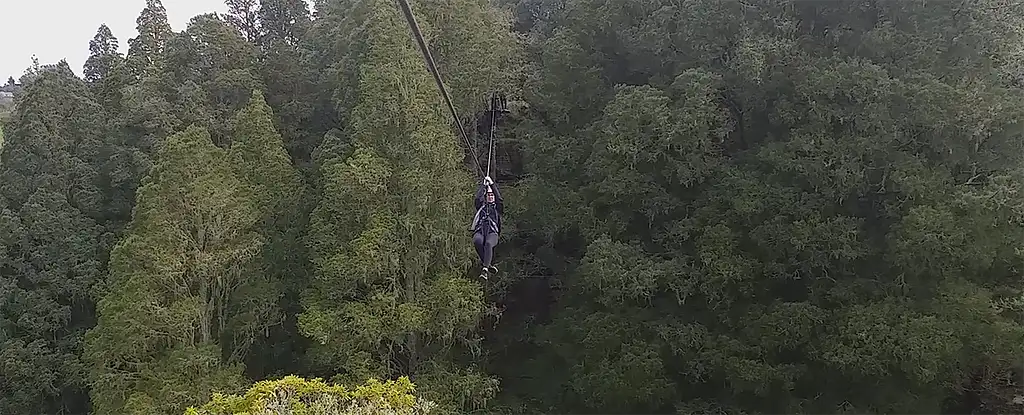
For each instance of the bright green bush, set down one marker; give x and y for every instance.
(293, 395)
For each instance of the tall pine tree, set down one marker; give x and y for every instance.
(244, 16)
(213, 70)
(283, 21)
(103, 55)
(104, 69)
(391, 295)
(146, 50)
(270, 302)
(164, 338)
(50, 252)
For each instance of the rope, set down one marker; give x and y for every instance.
(437, 76)
(490, 135)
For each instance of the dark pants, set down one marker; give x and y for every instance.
(485, 246)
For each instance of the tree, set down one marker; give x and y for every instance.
(103, 54)
(289, 76)
(31, 72)
(162, 338)
(477, 53)
(390, 296)
(293, 395)
(260, 160)
(143, 118)
(50, 247)
(213, 70)
(145, 52)
(244, 16)
(104, 69)
(283, 21)
(747, 212)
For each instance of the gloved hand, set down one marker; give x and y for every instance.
(488, 181)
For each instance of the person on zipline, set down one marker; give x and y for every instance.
(487, 222)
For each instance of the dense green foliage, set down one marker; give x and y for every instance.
(717, 206)
(293, 395)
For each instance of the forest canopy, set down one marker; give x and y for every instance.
(714, 206)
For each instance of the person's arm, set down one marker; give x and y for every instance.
(478, 200)
(499, 204)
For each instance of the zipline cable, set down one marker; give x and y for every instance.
(437, 76)
(490, 135)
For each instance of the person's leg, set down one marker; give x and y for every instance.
(492, 241)
(478, 242)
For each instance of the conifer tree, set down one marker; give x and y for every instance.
(391, 295)
(148, 115)
(141, 108)
(283, 21)
(477, 53)
(105, 69)
(103, 54)
(50, 252)
(244, 16)
(260, 160)
(258, 156)
(289, 75)
(213, 70)
(162, 339)
(145, 52)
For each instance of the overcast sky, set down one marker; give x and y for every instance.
(61, 29)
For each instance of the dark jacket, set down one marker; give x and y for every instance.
(488, 215)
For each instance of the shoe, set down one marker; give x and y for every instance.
(493, 269)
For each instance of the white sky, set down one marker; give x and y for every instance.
(61, 29)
